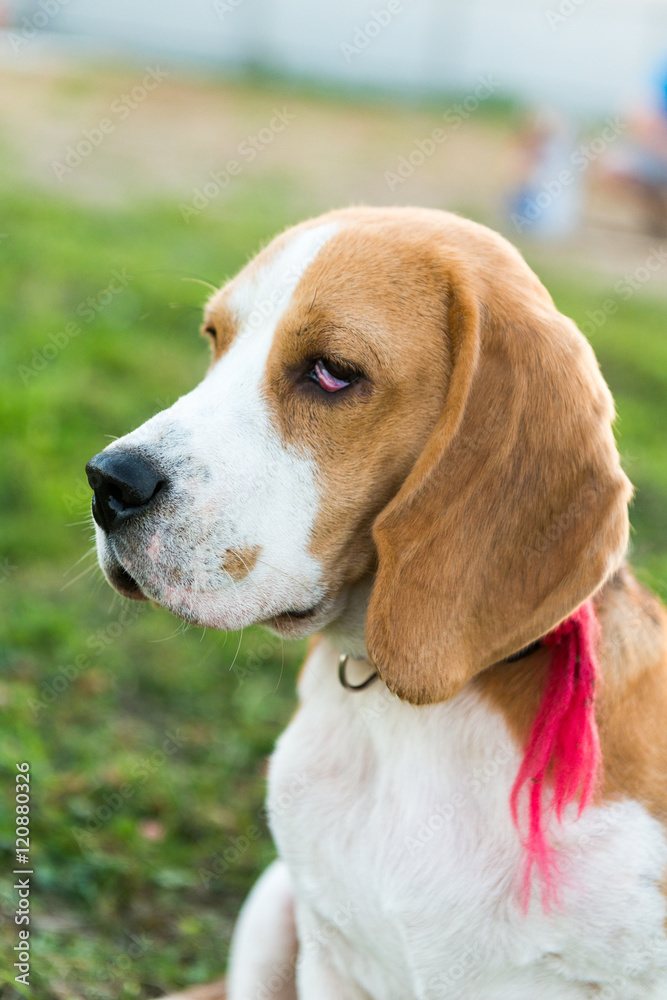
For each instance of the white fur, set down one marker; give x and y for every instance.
(394, 824)
(267, 917)
(233, 481)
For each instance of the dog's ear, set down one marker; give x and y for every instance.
(516, 510)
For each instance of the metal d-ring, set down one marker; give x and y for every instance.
(342, 663)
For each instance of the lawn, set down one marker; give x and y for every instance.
(146, 740)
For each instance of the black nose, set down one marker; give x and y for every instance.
(124, 483)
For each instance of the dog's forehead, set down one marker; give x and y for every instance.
(265, 288)
(351, 265)
(257, 297)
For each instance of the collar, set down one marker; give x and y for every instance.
(374, 676)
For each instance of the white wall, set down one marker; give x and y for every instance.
(594, 56)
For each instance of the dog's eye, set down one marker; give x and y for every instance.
(211, 332)
(331, 376)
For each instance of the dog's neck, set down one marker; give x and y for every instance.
(347, 634)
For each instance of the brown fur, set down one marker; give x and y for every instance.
(365, 444)
(239, 562)
(516, 510)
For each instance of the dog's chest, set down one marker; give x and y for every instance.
(394, 822)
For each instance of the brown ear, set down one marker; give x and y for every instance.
(516, 510)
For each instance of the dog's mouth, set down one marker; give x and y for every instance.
(298, 623)
(293, 622)
(125, 584)
(285, 617)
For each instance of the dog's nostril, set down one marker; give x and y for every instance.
(123, 484)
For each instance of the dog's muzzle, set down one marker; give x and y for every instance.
(124, 484)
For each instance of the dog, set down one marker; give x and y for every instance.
(403, 449)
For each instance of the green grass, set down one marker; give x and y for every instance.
(91, 685)
(142, 856)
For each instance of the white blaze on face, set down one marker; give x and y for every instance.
(234, 483)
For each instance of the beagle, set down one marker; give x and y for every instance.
(403, 447)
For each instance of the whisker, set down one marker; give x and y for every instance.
(200, 281)
(279, 569)
(235, 586)
(87, 553)
(74, 579)
(238, 650)
(185, 276)
(282, 664)
(180, 629)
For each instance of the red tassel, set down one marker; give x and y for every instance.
(563, 743)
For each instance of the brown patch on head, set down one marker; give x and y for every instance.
(221, 319)
(239, 562)
(383, 315)
(479, 425)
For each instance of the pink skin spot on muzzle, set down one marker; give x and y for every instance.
(154, 547)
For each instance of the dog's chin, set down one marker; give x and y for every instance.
(293, 623)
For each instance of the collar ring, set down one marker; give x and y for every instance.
(342, 676)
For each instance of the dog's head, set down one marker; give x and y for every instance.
(397, 427)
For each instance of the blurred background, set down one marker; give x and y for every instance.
(147, 149)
